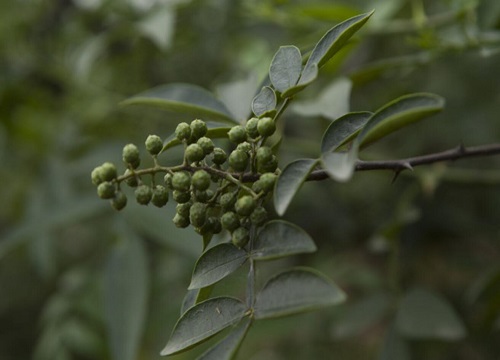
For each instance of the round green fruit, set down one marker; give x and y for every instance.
(266, 126)
(96, 176)
(198, 214)
(264, 154)
(240, 237)
(245, 205)
(268, 166)
(183, 131)
(238, 160)
(227, 200)
(119, 201)
(201, 180)
(143, 194)
(181, 221)
(219, 157)
(230, 221)
(183, 209)
(181, 180)
(267, 181)
(106, 190)
(194, 153)
(237, 134)
(206, 144)
(181, 197)
(160, 196)
(251, 127)
(130, 155)
(154, 144)
(168, 180)
(258, 216)
(132, 179)
(244, 146)
(198, 128)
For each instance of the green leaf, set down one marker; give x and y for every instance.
(203, 321)
(308, 76)
(215, 264)
(286, 67)
(264, 101)
(296, 291)
(359, 317)
(342, 130)
(195, 296)
(399, 113)
(215, 131)
(125, 297)
(228, 347)
(340, 166)
(280, 238)
(289, 182)
(191, 100)
(423, 314)
(394, 347)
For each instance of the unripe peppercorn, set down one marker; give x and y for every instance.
(206, 144)
(267, 181)
(130, 155)
(181, 197)
(230, 221)
(244, 146)
(132, 180)
(266, 126)
(211, 225)
(143, 194)
(240, 237)
(183, 131)
(183, 209)
(227, 201)
(198, 214)
(258, 216)
(237, 134)
(119, 201)
(108, 171)
(106, 190)
(180, 221)
(267, 166)
(160, 196)
(194, 153)
(154, 144)
(245, 205)
(181, 181)
(96, 176)
(220, 156)
(168, 180)
(251, 128)
(257, 187)
(238, 160)
(201, 180)
(264, 154)
(198, 128)
(203, 195)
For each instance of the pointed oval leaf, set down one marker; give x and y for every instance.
(423, 314)
(289, 182)
(187, 99)
(215, 131)
(264, 101)
(399, 113)
(228, 347)
(308, 76)
(296, 291)
(125, 297)
(195, 296)
(344, 129)
(280, 238)
(285, 68)
(340, 165)
(215, 264)
(203, 321)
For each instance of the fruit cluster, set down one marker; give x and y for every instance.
(208, 186)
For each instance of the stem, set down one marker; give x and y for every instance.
(251, 271)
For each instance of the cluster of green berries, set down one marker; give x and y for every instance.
(208, 195)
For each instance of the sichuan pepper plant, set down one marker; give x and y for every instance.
(233, 189)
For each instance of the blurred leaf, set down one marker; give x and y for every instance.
(159, 27)
(296, 291)
(342, 130)
(423, 314)
(280, 238)
(326, 11)
(238, 95)
(400, 112)
(394, 347)
(195, 296)
(340, 166)
(215, 131)
(216, 263)
(264, 101)
(126, 287)
(182, 98)
(202, 321)
(331, 103)
(289, 182)
(285, 68)
(360, 316)
(228, 347)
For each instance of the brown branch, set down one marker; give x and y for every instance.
(457, 153)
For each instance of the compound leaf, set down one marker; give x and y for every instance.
(289, 182)
(423, 314)
(296, 291)
(344, 129)
(399, 113)
(264, 101)
(228, 347)
(203, 321)
(216, 263)
(280, 238)
(187, 99)
(286, 67)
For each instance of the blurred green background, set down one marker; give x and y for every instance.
(71, 269)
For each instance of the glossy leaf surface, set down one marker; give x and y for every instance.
(228, 347)
(280, 238)
(344, 129)
(187, 99)
(202, 321)
(216, 263)
(296, 291)
(289, 182)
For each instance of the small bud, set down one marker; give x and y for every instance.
(154, 144)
